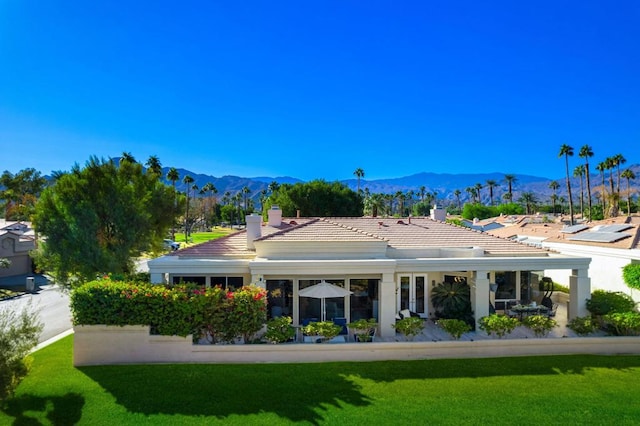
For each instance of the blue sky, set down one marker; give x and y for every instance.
(316, 89)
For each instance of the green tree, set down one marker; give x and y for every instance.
(154, 166)
(457, 193)
(20, 193)
(553, 185)
(510, 179)
(579, 172)
(491, 184)
(318, 198)
(187, 180)
(629, 176)
(174, 176)
(97, 219)
(631, 275)
(359, 173)
(602, 167)
(566, 151)
(586, 152)
(528, 199)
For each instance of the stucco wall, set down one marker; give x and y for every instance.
(102, 345)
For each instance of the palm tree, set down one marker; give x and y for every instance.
(478, 187)
(400, 197)
(273, 187)
(126, 156)
(567, 151)
(510, 179)
(245, 191)
(618, 159)
(187, 180)
(586, 152)
(601, 167)
(554, 187)
(579, 173)
(491, 184)
(457, 195)
(610, 164)
(423, 190)
(472, 193)
(173, 176)
(154, 166)
(359, 173)
(628, 175)
(377, 204)
(529, 200)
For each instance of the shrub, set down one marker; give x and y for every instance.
(452, 301)
(363, 329)
(279, 330)
(541, 325)
(623, 323)
(409, 327)
(583, 325)
(498, 324)
(455, 327)
(325, 330)
(631, 275)
(19, 333)
(606, 302)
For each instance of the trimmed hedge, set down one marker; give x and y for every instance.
(179, 310)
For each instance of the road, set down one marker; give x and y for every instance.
(52, 304)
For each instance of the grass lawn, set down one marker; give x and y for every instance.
(525, 390)
(201, 237)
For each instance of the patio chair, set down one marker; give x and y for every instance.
(552, 311)
(342, 322)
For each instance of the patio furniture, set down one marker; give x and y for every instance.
(342, 322)
(520, 311)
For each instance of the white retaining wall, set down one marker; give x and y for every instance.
(108, 345)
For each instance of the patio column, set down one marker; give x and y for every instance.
(579, 291)
(480, 295)
(387, 305)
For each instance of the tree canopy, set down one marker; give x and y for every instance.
(317, 198)
(97, 219)
(19, 193)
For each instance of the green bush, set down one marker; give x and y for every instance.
(178, 310)
(583, 325)
(623, 323)
(498, 324)
(19, 333)
(409, 327)
(606, 302)
(455, 327)
(541, 325)
(363, 329)
(326, 330)
(279, 330)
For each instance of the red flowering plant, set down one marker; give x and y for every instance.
(248, 311)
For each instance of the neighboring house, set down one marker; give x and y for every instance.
(481, 225)
(16, 241)
(388, 264)
(611, 244)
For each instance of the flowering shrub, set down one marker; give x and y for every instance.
(171, 310)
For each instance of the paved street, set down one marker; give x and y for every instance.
(53, 306)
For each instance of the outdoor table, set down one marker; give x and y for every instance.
(526, 310)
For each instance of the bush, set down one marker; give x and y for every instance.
(363, 329)
(541, 325)
(19, 333)
(409, 327)
(455, 327)
(279, 330)
(452, 301)
(583, 325)
(623, 323)
(178, 310)
(497, 324)
(326, 330)
(607, 302)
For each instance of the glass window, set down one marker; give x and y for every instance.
(181, 279)
(364, 299)
(228, 283)
(279, 298)
(506, 281)
(311, 308)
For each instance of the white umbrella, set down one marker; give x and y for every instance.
(322, 291)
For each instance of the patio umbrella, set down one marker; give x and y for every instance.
(322, 291)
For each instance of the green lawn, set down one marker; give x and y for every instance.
(564, 390)
(201, 237)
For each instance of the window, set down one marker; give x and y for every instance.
(279, 298)
(364, 299)
(311, 308)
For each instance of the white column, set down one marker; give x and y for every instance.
(387, 298)
(480, 295)
(580, 291)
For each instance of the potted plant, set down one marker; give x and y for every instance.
(279, 330)
(323, 331)
(409, 327)
(453, 301)
(363, 329)
(500, 325)
(455, 327)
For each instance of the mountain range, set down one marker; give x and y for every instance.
(442, 184)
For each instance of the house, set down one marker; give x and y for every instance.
(387, 264)
(16, 241)
(611, 244)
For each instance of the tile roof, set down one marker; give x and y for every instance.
(552, 232)
(402, 233)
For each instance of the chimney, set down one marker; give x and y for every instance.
(275, 216)
(438, 213)
(254, 229)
